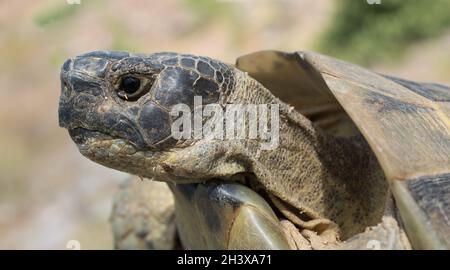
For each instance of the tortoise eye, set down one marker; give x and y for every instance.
(131, 87)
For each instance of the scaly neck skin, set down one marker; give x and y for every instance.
(322, 176)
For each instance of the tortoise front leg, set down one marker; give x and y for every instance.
(143, 216)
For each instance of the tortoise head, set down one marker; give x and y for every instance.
(116, 105)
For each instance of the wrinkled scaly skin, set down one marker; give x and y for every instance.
(324, 188)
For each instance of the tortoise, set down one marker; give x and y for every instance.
(362, 159)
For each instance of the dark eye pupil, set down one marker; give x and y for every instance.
(130, 84)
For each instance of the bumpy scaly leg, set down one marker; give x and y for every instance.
(312, 234)
(143, 216)
(389, 234)
(295, 239)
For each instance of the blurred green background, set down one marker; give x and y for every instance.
(50, 194)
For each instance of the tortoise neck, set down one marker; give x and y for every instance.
(316, 173)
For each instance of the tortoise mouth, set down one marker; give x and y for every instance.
(82, 135)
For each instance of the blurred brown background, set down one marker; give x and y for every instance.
(50, 194)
